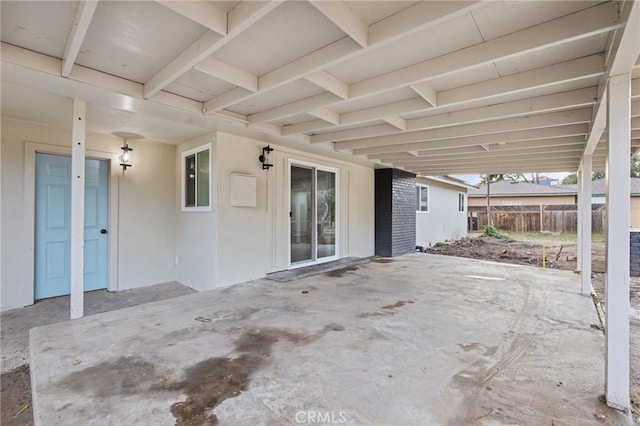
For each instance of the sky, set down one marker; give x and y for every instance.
(474, 179)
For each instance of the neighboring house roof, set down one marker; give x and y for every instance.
(509, 188)
(598, 187)
(450, 181)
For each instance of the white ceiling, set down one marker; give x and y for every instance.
(463, 81)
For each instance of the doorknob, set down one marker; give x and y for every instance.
(103, 231)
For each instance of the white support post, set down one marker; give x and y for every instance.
(579, 224)
(617, 246)
(78, 136)
(584, 218)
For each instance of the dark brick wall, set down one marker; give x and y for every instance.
(383, 212)
(635, 253)
(395, 212)
(404, 213)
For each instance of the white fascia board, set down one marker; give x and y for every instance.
(625, 53)
(621, 58)
(343, 17)
(202, 12)
(79, 29)
(449, 181)
(240, 18)
(598, 124)
(553, 119)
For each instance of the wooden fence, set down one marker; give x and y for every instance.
(535, 218)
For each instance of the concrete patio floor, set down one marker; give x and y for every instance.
(15, 323)
(421, 339)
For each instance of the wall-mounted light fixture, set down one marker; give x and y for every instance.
(263, 158)
(125, 157)
(125, 154)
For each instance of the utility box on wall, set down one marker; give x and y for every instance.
(244, 190)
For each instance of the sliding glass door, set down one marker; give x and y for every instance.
(302, 207)
(312, 214)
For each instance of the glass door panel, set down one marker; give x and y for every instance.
(302, 237)
(326, 214)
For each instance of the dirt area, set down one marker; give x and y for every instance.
(560, 253)
(15, 399)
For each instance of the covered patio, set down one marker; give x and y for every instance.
(420, 339)
(427, 88)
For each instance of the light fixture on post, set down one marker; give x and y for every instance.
(263, 158)
(125, 155)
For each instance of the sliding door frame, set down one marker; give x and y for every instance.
(314, 214)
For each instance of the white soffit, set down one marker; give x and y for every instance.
(41, 26)
(359, 74)
(130, 39)
(199, 86)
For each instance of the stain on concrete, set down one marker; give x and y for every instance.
(214, 380)
(383, 260)
(374, 314)
(340, 272)
(125, 376)
(398, 304)
(208, 383)
(470, 346)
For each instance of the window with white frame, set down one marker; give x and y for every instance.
(461, 202)
(422, 198)
(196, 178)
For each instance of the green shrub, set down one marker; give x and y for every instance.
(491, 231)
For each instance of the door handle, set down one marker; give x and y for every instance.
(103, 231)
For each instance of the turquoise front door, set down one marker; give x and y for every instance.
(53, 225)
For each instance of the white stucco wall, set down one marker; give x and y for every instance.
(157, 241)
(195, 253)
(443, 221)
(255, 241)
(237, 244)
(146, 213)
